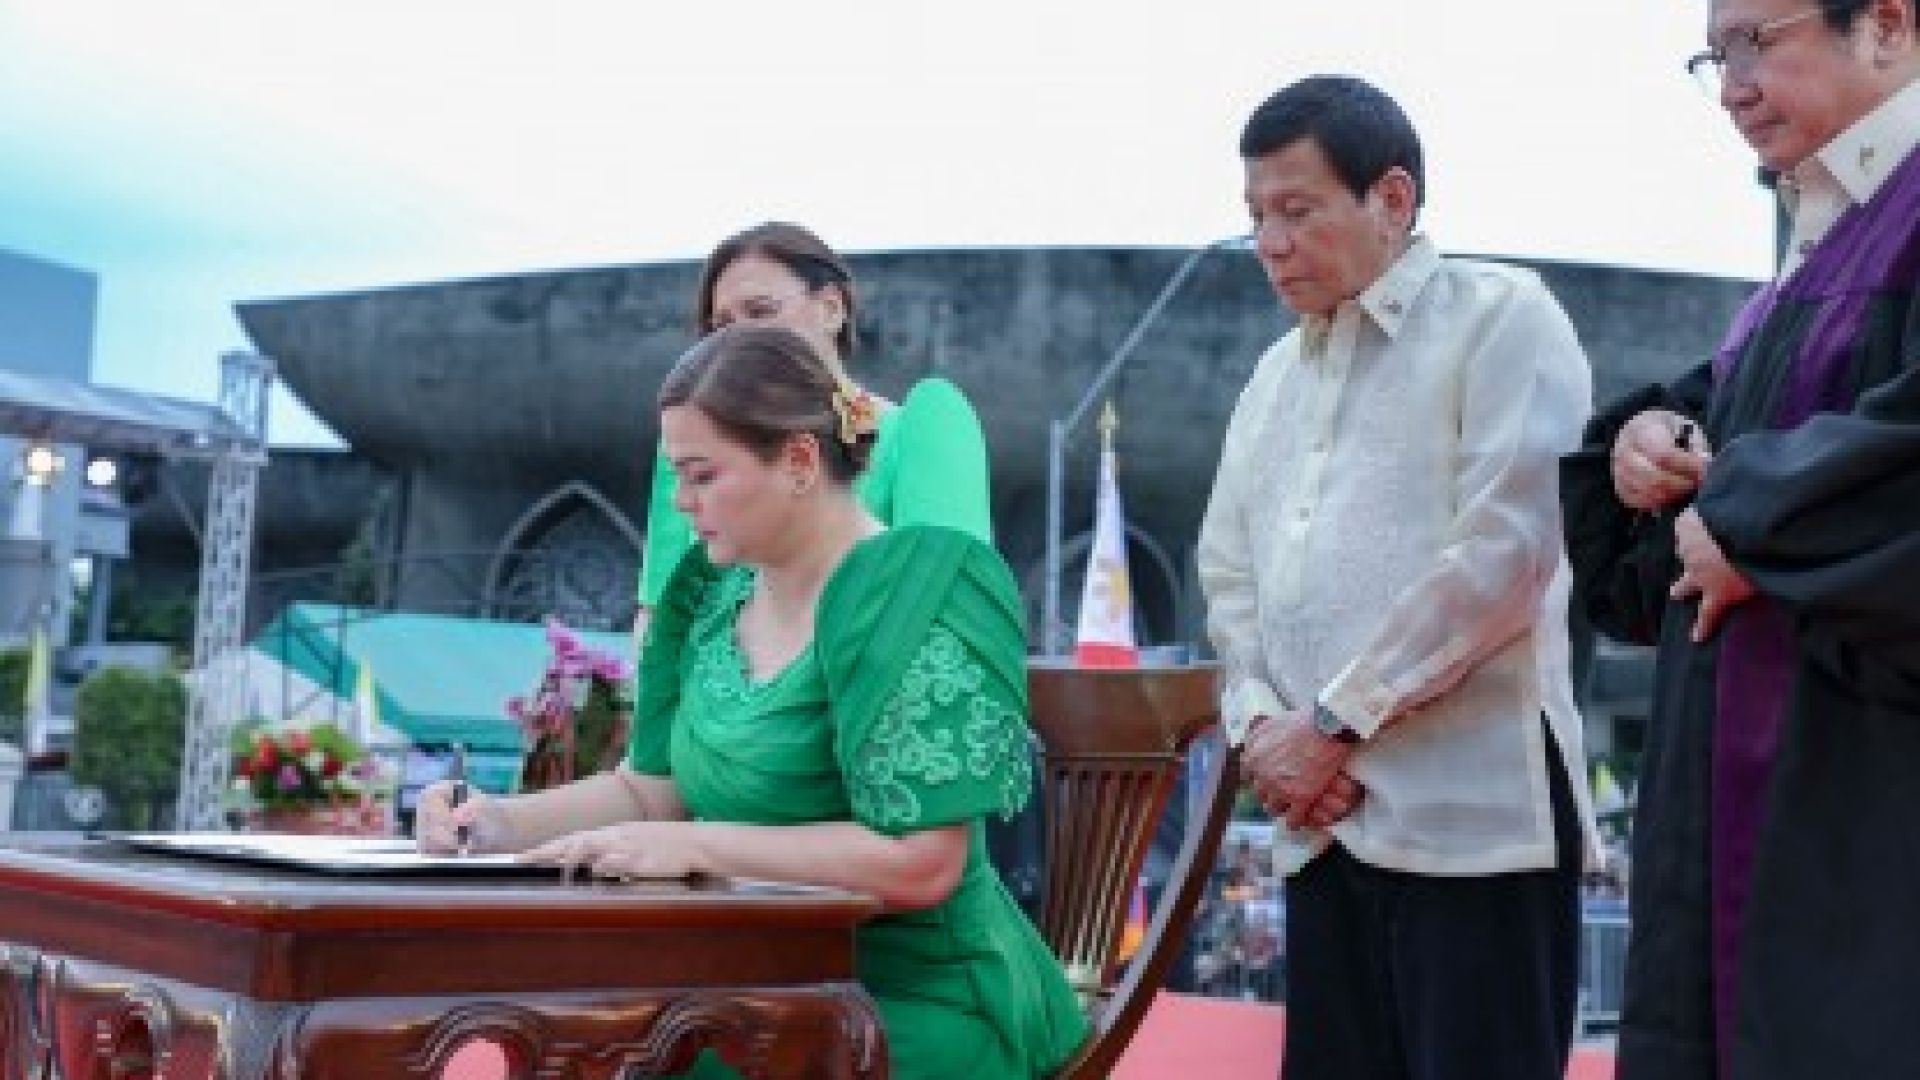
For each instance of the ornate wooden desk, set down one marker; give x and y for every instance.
(115, 964)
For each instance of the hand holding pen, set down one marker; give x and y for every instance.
(455, 818)
(457, 773)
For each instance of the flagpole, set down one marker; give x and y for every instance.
(1060, 431)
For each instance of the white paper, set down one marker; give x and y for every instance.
(336, 853)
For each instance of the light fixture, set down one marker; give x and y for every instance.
(102, 472)
(43, 463)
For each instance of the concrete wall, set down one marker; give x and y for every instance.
(483, 396)
(312, 505)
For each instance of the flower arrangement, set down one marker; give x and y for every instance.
(575, 718)
(284, 776)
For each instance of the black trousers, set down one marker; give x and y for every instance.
(1396, 976)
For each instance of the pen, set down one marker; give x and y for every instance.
(463, 834)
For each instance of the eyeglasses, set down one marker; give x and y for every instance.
(1738, 50)
(759, 308)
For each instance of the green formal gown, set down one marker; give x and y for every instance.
(929, 467)
(907, 711)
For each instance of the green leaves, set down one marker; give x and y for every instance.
(128, 728)
(13, 692)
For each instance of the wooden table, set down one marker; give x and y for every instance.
(116, 964)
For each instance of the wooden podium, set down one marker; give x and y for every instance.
(116, 964)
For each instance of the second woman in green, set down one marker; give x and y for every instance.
(929, 464)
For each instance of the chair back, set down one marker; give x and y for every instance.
(1114, 742)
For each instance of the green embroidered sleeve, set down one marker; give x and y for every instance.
(945, 748)
(920, 638)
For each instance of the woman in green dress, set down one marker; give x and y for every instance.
(822, 700)
(929, 466)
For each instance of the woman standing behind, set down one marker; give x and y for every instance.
(823, 701)
(929, 465)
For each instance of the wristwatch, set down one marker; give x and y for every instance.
(1332, 726)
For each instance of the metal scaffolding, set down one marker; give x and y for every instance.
(226, 552)
(231, 437)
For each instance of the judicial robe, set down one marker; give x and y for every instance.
(1775, 889)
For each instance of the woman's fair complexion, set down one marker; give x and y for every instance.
(755, 288)
(783, 517)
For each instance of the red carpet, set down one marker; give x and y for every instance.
(1187, 1037)
(1184, 1038)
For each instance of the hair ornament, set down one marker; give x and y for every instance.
(859, 414)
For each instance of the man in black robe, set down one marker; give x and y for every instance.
(1760, 521)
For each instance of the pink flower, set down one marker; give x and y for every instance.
(288, 779)
(564, 641)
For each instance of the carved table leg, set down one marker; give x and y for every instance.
(106, 1022)
(61, 1018)
(827, 1032)
(26, 1013)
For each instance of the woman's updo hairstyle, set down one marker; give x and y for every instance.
(762, 385)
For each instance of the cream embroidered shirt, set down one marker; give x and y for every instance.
(1847, 171)
(1384, 536)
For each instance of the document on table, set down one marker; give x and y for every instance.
(329, 854)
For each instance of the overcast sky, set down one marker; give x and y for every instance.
(194, 153)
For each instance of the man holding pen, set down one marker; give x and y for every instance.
(1382, 567)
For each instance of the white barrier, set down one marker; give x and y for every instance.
(12, 764)
(1603, 971)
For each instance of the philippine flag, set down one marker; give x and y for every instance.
(1105, 635)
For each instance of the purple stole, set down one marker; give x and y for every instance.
(1868, 250)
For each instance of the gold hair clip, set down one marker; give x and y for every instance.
(858, 414)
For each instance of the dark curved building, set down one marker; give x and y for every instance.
(513, 413)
